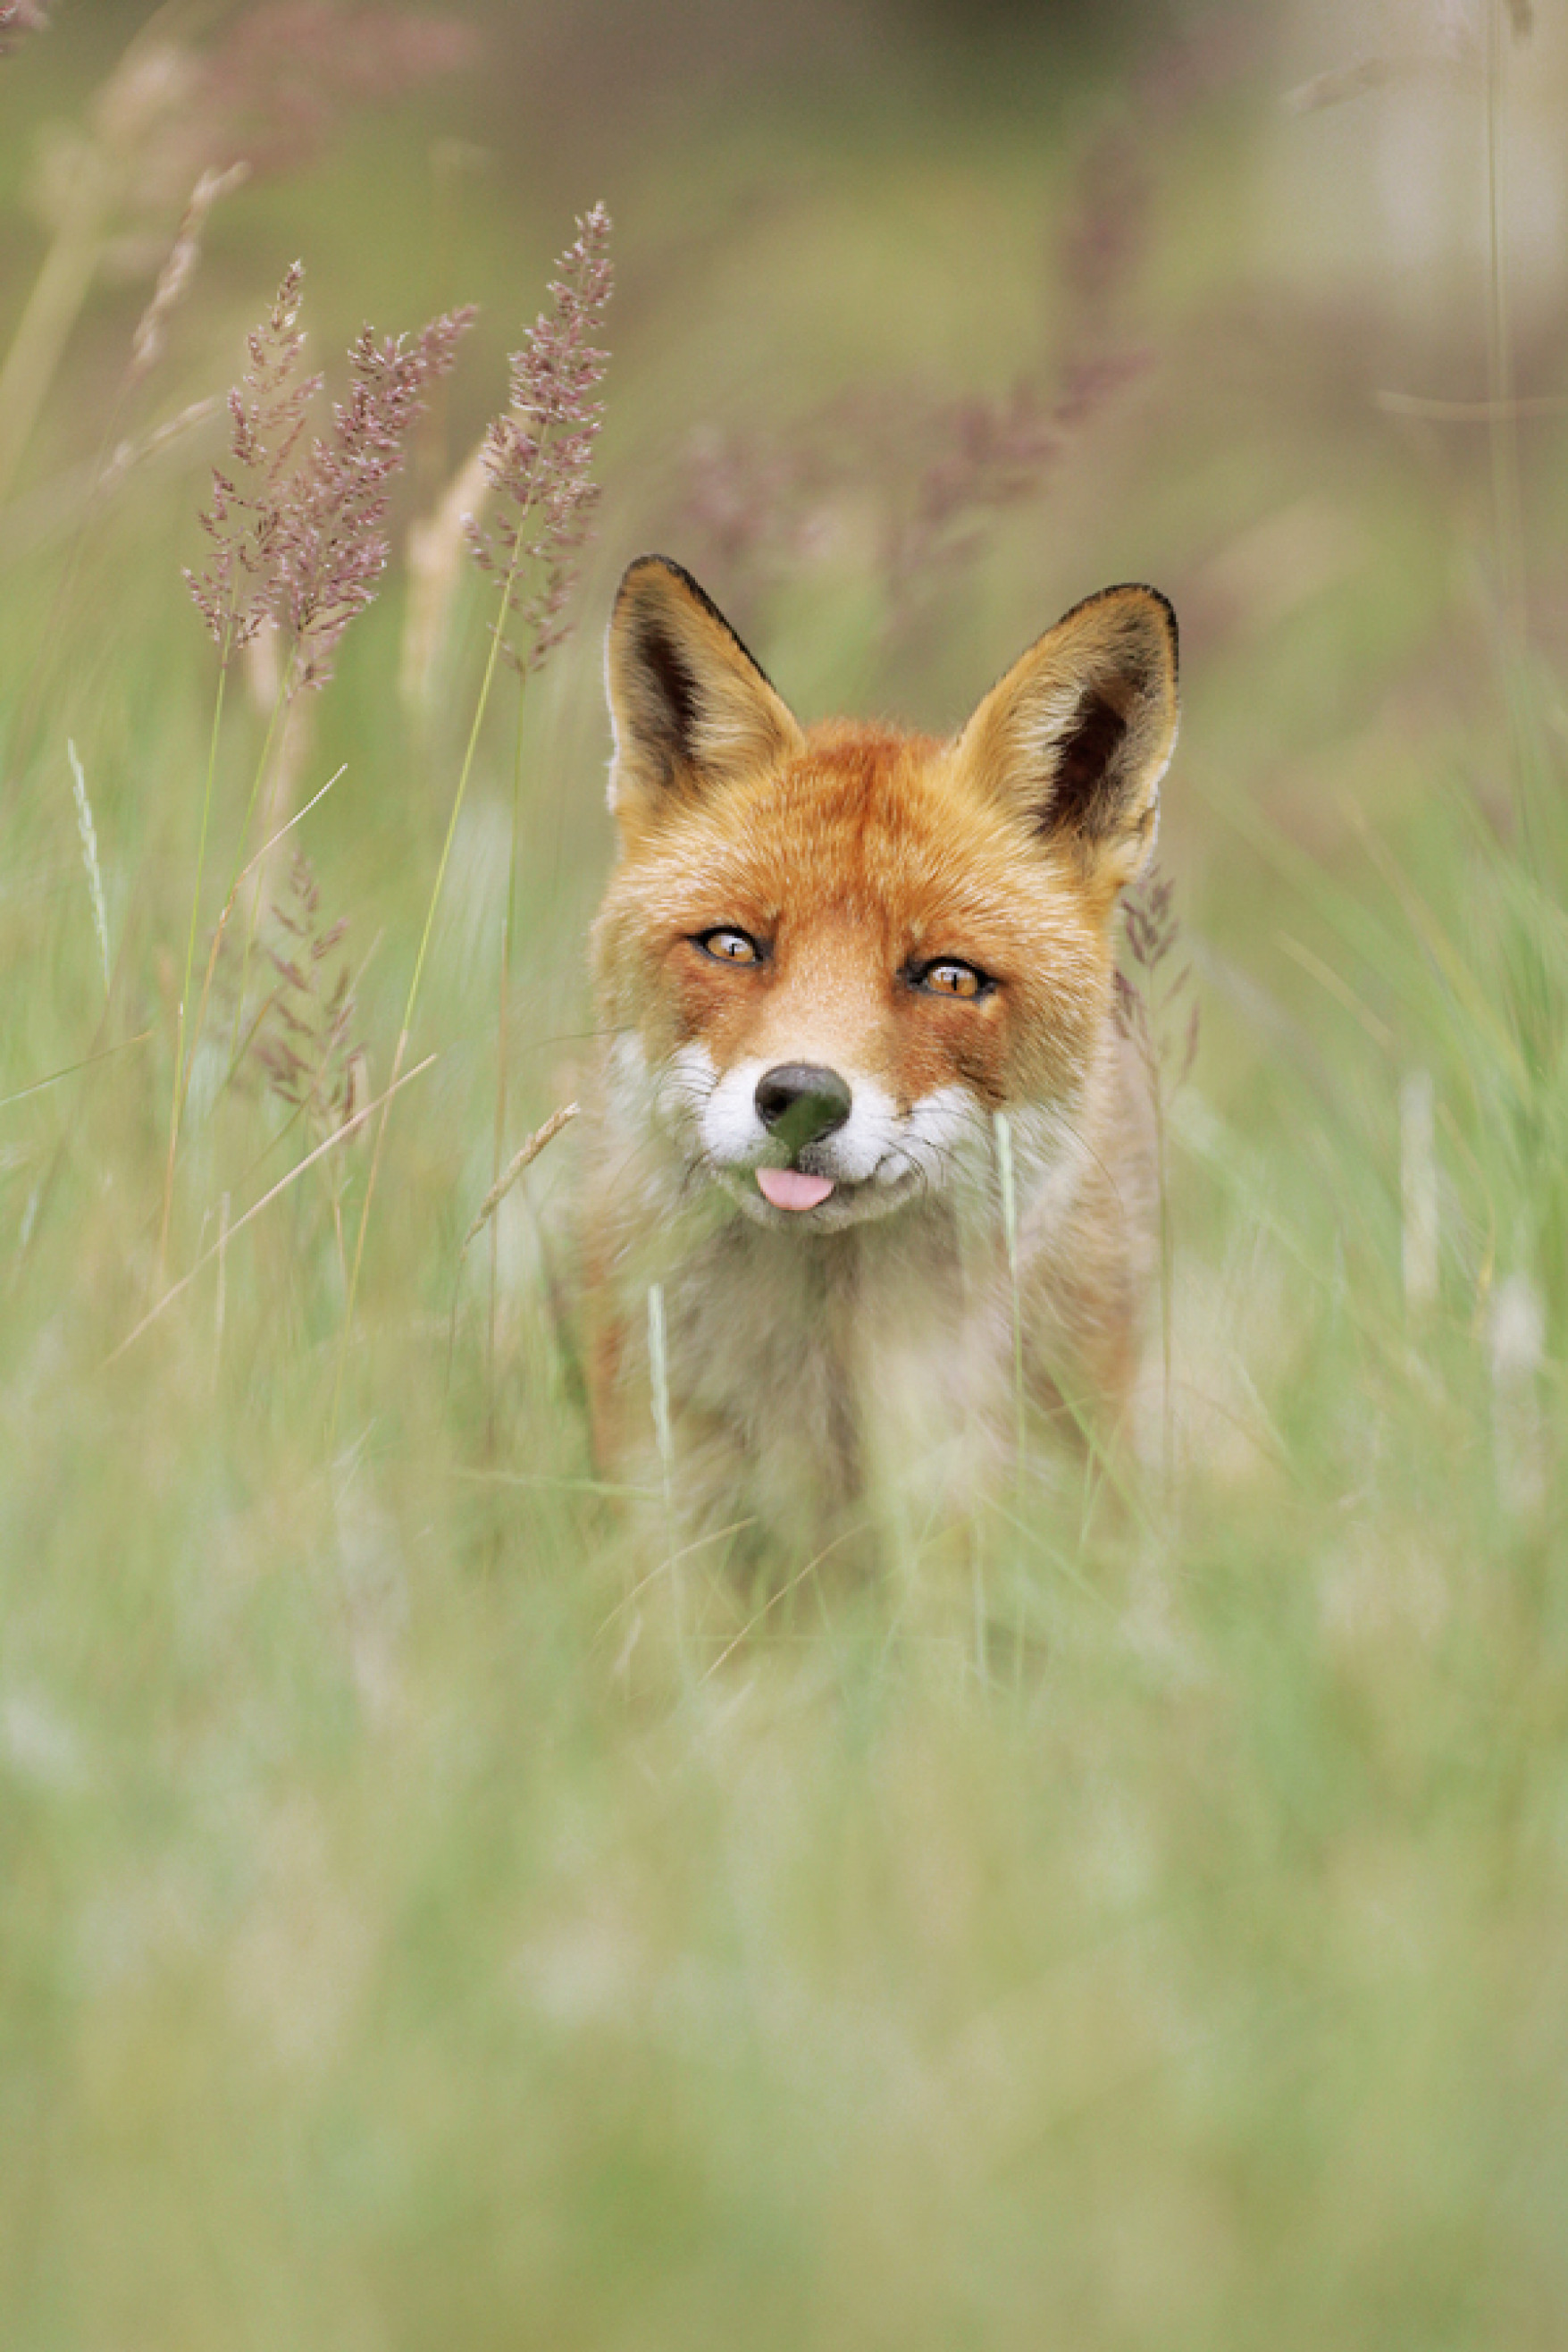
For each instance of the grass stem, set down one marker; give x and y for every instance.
(509, 936)
(1001, 1126)
(663, 1431)
(89, 833)
(178, 1100)
(458, 798)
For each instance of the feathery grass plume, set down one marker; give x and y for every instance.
(266, 413)
(537, 457)
(1159, 1016)
(758, 505)
(89, 833)
(972, 460)
(983, 456)
(540, 450)
(1149, 998)
(269, 92)
(270, 89)
(304, 1037)
(304, 1040)
(936, 471)
(323, 541)
(975, 458)
(302, 540)
(330, 545)
(285, 73)
(1105, 232)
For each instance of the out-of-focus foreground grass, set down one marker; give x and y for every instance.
(396, 1951)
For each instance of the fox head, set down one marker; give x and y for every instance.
(831, 954)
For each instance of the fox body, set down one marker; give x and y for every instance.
(826, 960)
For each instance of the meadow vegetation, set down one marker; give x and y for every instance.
(1159, 1943)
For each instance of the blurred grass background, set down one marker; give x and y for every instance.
(395, 1951)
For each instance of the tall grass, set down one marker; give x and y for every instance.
(399, 1947)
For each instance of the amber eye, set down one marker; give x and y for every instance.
(729, 946)
(951, 978)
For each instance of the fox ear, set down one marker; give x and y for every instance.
(690, 708)
(1077, 735)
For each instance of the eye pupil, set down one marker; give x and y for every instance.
(954, 979)
(728, 947)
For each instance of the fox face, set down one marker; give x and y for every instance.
(829, 957)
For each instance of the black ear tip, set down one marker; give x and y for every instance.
(1141, 592)
(1163, 608)
(641, 565)
(669, 583)
(1168, 613)
(673, 576)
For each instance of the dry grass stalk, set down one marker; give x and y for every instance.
(1419, 1229)
(437, 545)
(1517, 1348)
(1156, 1018)
(522, 1160)
(180, 267)
(128, 454)
(1008, 1192)
(89, 833)
(340, 1134)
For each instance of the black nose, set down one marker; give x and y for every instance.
(800, 1103)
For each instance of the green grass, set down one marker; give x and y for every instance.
(401, 1945)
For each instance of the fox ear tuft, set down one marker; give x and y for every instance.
(691, 708)
(1077, 735)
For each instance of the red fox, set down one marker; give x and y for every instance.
(826, 960)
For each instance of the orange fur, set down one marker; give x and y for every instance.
(927, 925)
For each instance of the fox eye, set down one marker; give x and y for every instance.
(726, 946)
(949, 977)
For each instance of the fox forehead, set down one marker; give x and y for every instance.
(869, 829)
(864, 853)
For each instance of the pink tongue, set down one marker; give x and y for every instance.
(790, 1188)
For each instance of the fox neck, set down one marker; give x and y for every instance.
(832, 1362)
